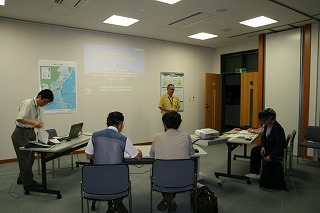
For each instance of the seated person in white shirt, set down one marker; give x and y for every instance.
(108, 146)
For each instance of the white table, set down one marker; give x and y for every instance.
(50, 153)
(233, 142)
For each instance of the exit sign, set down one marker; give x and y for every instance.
(240, 70)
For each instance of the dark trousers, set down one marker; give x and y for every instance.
(255, 160)
(20, 137)
(168, 196)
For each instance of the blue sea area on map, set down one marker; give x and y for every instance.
(68, 90)
(64, 97)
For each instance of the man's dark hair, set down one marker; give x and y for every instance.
(114, 118)
(172, 120)
(46, 94)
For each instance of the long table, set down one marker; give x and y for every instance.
(232, 143)
(48, 154)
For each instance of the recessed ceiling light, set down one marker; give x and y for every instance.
(258, 22)
(202, 36)
(2, 2)
(120, 20)
(169, 1)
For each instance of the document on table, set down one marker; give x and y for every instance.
(243, 135)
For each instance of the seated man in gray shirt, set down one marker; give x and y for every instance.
(169, 145)
(108, 146)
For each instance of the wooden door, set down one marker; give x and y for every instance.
(249, 102)
(213, 107)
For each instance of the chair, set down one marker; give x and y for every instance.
(311, 140)
(284, 158)
(105, 182)
(290, 148)
(174, 176)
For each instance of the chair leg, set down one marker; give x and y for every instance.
(298, 153)
(290, 159)
(38, 161)
(151, 199)
(285, 162)
(130, 198)
(81, 193)
(53, 168)
(59, 163)
(88, 205)
(71, 160)
(195, 201)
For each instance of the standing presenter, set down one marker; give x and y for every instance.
(169, 102)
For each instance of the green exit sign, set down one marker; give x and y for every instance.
(240, 70)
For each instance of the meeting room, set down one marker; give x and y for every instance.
(70, 76)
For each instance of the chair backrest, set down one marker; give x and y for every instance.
(52, 133)
(313, 133)
(293, 135)
(178, 173)
(288, 139)
(111, 180)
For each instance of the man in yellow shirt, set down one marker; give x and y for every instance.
(169, 102)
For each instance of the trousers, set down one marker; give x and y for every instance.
(255, 160)
(20, 137)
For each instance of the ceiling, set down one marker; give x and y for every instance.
(169, 22)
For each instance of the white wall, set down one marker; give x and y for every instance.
(282, 77)
(23, 44)
(314, 103)
(314, 76)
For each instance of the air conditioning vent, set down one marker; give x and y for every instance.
(192, 19)
(71, 3)
(58, 1)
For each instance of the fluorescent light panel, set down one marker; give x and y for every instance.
(258, 21)
(120, 20)
(202, 36)
(169, 1)
(2, 2)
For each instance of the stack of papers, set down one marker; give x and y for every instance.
(54, 140)
(240, 135)
(39, 144)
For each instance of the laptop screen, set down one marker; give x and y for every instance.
(75, 131)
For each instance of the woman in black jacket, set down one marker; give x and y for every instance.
(272, 144)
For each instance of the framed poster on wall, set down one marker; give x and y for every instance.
(175, 78)
(60, 77)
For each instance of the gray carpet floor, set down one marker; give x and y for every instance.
(233, 196)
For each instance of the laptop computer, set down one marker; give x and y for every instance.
(75, 131)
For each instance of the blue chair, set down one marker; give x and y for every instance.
(105, 182)
(174, 176)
